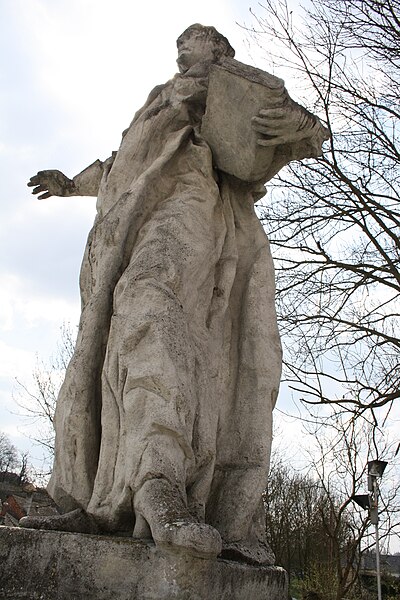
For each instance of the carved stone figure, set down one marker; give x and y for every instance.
(163, 423)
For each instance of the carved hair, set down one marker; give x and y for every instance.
(222, 45)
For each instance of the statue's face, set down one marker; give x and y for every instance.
(194, 49)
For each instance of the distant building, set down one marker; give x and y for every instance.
(18, 500)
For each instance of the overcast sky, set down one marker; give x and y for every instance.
(72, 75)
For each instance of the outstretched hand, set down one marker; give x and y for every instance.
(280, 126)
(51, 183)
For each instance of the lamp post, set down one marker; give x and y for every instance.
(370, 502)
(375, 471)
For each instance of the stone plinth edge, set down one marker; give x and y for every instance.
(50, 565)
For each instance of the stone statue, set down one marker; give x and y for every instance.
(163, 423)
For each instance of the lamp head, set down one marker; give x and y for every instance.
(376, 467)
(362, 500)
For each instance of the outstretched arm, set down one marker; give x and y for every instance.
(51, 183)
(54, 183)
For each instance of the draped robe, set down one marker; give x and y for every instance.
(178, 359)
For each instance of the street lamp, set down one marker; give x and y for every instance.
(376, 467)
(370, 502)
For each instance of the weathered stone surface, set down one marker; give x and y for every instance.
(164, 420)
(49, 565)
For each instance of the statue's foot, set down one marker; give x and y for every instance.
(252, 554)
(171, 524)
(77, 521)
(198, 539)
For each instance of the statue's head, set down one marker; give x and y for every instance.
(198, 43)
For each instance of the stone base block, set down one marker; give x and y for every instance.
(52, 565)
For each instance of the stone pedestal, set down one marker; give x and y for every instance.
(52, 565)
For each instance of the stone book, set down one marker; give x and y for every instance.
(236, 93)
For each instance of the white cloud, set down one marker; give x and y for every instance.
(15, 360)
(20, 309)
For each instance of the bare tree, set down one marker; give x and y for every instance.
(25, 470)
(317, 532)
(37, 399)
(335, 222)
(12, 462)
(8, 454)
